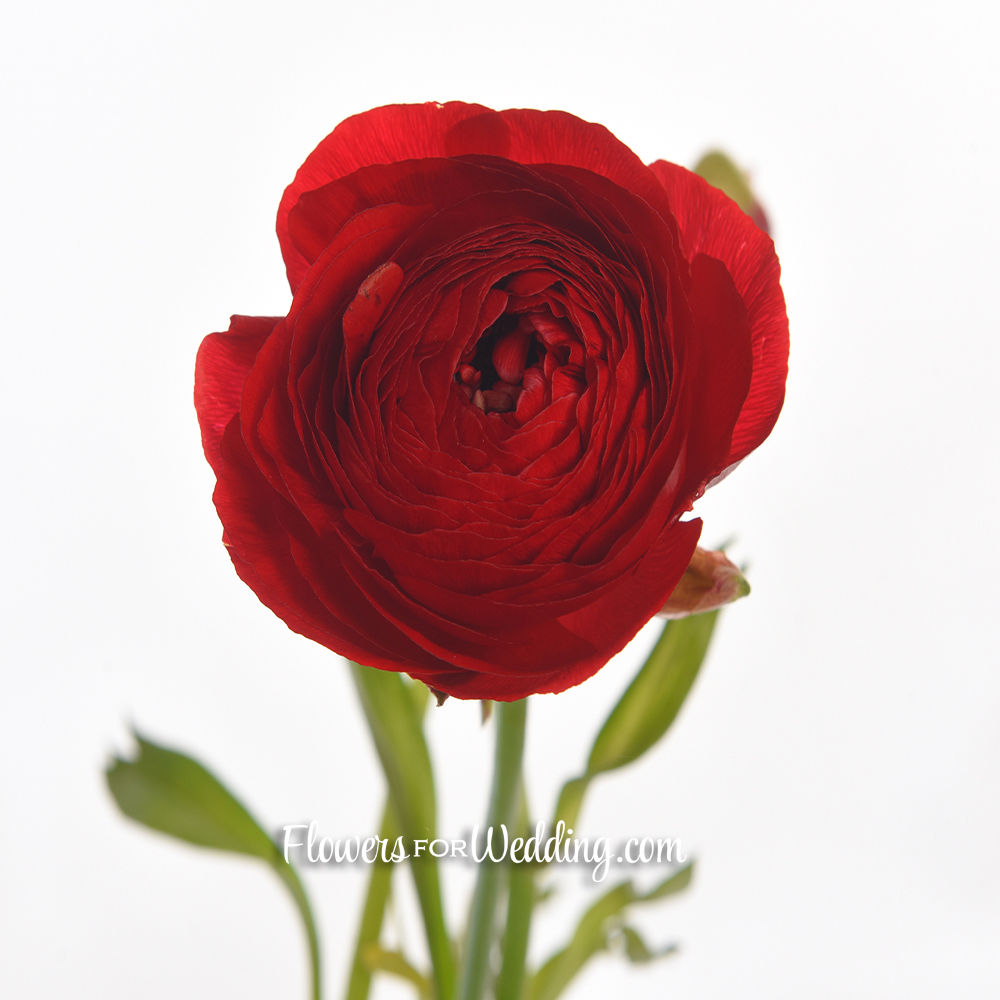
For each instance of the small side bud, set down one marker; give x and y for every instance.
(722, 173)
(709, 582)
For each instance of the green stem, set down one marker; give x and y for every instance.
(502, 809)
(394, 717)
(379, 885)
(520, 903)
(290, 877)
(425, 879)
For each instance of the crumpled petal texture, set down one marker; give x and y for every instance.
(515, 357)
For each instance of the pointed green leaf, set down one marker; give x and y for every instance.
(395, 724)
(171, 792)
(593, 934)
(638, 952)
(591, 937)
(635, 948)
(571, 800)
(677, 882)
(651, 702)
(646, 710)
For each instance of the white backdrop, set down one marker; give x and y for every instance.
(837, 768)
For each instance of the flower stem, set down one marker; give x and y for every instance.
(502, 809)
(379, 887)
(520, 903)
(394, 718)
(291, 879)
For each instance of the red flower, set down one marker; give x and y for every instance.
(514, 357)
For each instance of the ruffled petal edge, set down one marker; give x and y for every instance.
(713, 224)
(223, 363)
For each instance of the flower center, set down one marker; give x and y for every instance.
(522, 363)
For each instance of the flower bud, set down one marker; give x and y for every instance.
(722, 173)
(709, 582)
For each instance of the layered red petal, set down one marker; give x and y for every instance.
(713, 224)
(223, 363)
(404, 132)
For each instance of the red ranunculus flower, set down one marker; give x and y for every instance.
(515, 356)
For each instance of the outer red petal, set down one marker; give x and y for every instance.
(263, 532)
(608, 624)
(400, 132)
(224, 360)
(711, 223)
(718, 367)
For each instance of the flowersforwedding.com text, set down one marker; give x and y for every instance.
(303, 843)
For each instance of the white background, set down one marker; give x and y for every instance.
(837, 768)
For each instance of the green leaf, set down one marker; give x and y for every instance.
(677, 882)
(648, 707)
(395, 723)
(638, 952)
(590, 937)
(595, 932)
(571, 801)
(171, 792)
(651, 702)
